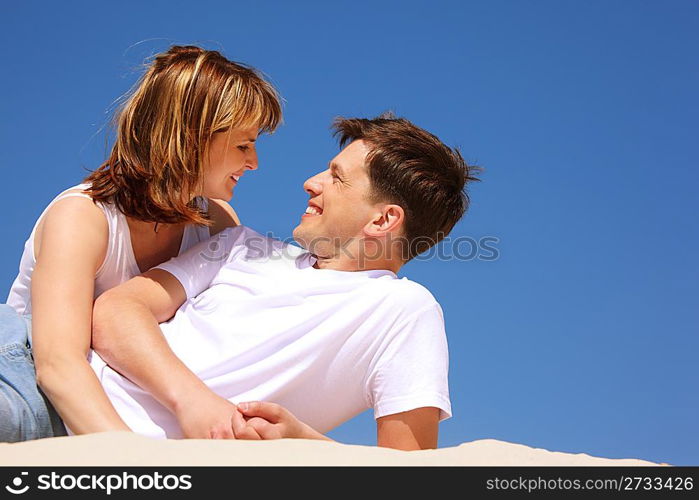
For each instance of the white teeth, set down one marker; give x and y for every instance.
(312, 210)
(236, 177)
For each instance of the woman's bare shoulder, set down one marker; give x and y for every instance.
(222, 215)
(73, 216)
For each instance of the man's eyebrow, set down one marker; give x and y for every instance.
(337, 168)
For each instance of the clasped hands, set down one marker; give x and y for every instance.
(210, 416)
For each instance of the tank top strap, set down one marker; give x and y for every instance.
(69, 194)
(116, 242)
(203, 203)
(194, 233)
(71, 191)
(203, 231)
(119, 252)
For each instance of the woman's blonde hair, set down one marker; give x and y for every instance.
(165, 126)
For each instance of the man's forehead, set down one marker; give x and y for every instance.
(351, 158)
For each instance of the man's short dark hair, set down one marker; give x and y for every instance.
(411, 167)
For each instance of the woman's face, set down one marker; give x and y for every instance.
(231, 154)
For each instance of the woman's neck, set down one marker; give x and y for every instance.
(149, 228)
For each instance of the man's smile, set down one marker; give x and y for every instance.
(312, 210)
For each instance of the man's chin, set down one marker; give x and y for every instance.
(309, 240)
(299, 236)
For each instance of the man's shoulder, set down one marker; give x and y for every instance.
(259, 245)
(239, 231)
(410, 311)
(410, 296)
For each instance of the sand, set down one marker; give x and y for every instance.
(128, 449)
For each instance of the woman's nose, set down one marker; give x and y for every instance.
(252, 160)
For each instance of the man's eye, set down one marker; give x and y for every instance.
(244, 148)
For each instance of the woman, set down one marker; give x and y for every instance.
(185, 135)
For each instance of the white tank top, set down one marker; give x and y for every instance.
(119, 262)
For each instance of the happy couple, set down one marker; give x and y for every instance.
(242, 335)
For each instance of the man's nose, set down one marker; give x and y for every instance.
(313, 186)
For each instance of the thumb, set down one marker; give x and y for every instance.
(271, 412)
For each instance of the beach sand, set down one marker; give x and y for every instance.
(128, 449)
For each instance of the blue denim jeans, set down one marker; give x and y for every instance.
(25, 413)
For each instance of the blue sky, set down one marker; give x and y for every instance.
(582, 336)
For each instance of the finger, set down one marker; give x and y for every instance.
(237, 424)
(264, 428)
(241, 429)
(269, 411)
(249, 434)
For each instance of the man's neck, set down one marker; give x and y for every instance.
(337, 263)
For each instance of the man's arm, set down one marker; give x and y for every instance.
(409, 430)
(127, 336)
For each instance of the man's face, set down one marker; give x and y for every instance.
(338, 208)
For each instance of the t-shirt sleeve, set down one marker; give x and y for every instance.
(196, 268)
(411, 369)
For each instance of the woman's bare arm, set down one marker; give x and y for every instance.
(72, 244)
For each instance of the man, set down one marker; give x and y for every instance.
(302, 339)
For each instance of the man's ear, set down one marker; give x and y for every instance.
(389, 220)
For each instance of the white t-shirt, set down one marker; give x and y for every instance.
(261, 324)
